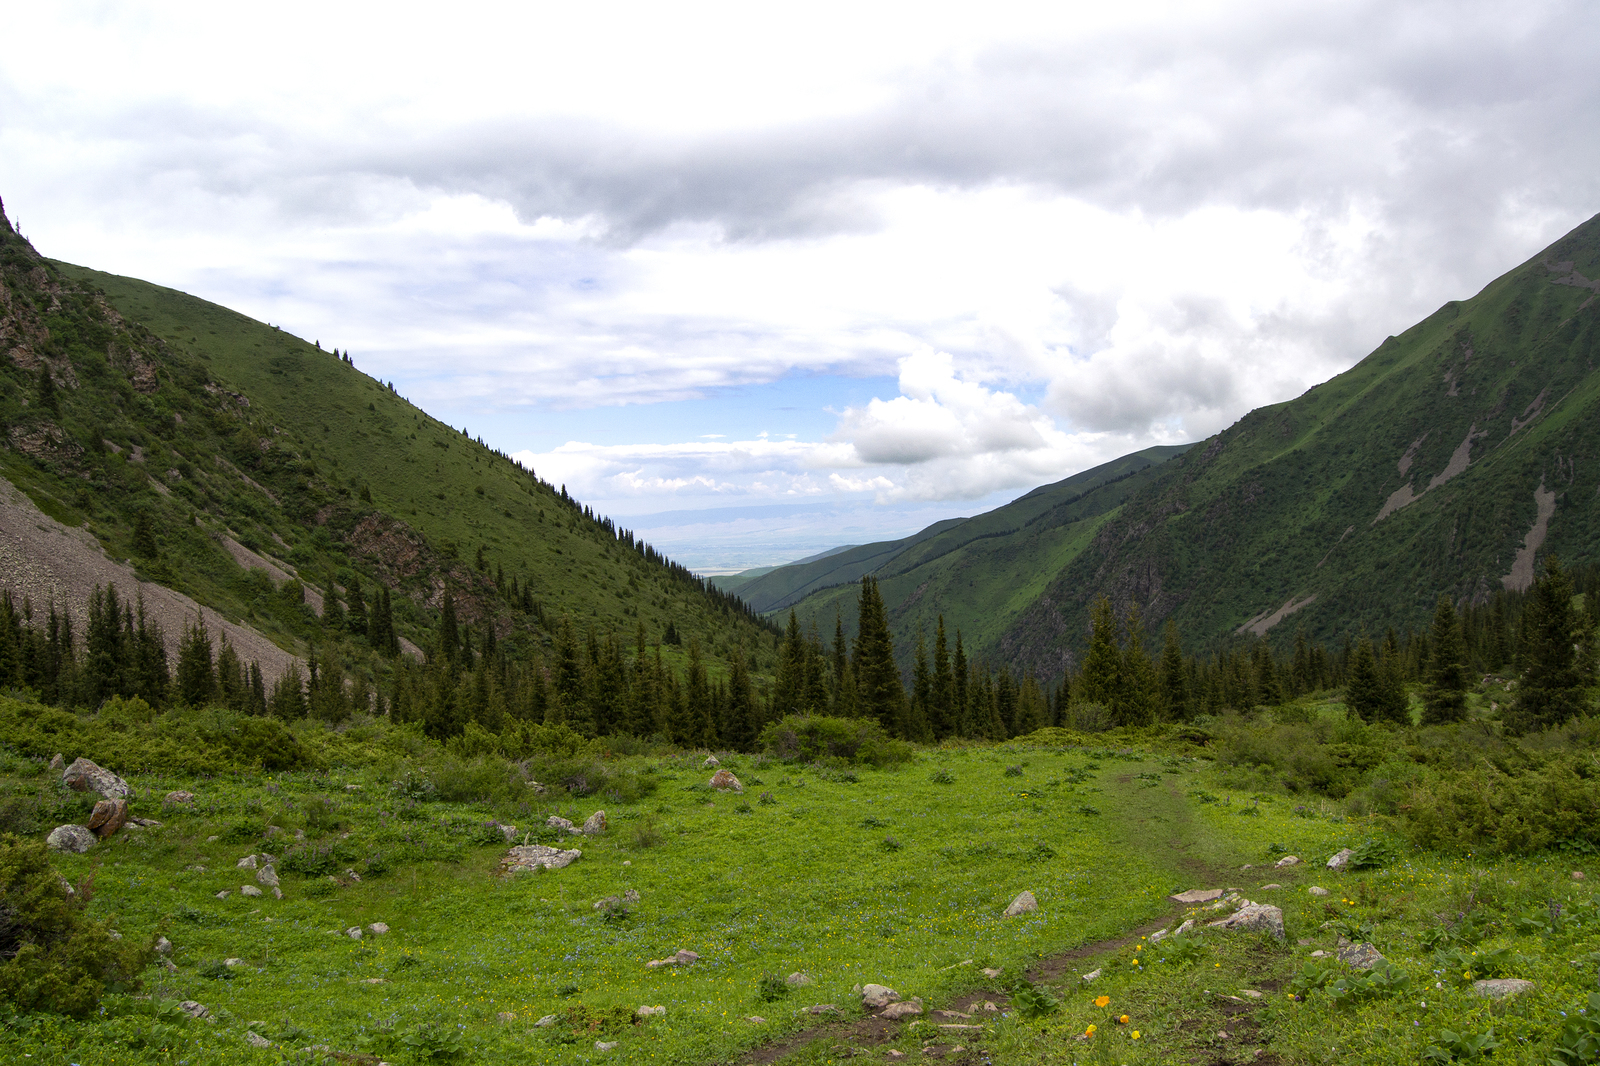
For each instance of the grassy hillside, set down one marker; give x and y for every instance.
(236, 429)
(981, 573)
(1449, 460)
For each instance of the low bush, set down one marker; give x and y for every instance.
(55, 958)
(810, 738)
(1485, 810)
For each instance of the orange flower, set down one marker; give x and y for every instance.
(1089, 1031)
(1103, 1001)
(1123, 1020)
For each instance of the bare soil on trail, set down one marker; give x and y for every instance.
(47, 562)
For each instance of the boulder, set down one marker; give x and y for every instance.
(605, 1045)
(1184, 928)
(255, 1039)
(1159, 935)
(163, 946)
(901, 1010)
(1502, 987)
(508, 831)
(1092, 975)
(1288, 860)
(1317, 890)
(249, 890)
(267, 876)
(142, 823)
(1253, 918)
(1023, 904)
(1577, 875)
(1341, 860)
(594, 825)
(555, 821)
(1361, 956)
(684, 957)
(246, 863)
(823, 1008)
(193, 1009)
(525, 857)
(875, 996)
(85, 776)
(354, 932)
(799, 980)
(711, 763)
(224, 894)
(546, 1022)
(179, 798)
(755, 1019)
(74, 838)
(726, 782)
(650, 1012)
(109, 816)
(1196, 895)
(631, 896)
(377, 928)
(1271, 886)
(57, 761)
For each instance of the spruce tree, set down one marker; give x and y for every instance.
(1141, 690)
(197, 678)
(941, 698)
(1364, 695)
(960, 679)
(918, 725)
(1101, 680)
(1556, 655)
(1174, 676)
(878, 685)
(1445, 698)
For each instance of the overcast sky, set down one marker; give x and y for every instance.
(890, 262)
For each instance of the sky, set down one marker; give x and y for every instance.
(823, 273)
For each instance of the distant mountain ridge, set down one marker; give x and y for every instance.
(1451, 459)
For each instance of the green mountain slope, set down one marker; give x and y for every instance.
(1449, 460)
(981, 573)
(122, 402)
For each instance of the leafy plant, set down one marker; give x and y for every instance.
(1372, 854)
(1013, 771)
(1178, 950)
(942, 776)
(1452, 1046)
(433, 1041)
(1578, 1042)
(771, 987)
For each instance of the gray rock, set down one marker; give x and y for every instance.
(85, 776)
(193, 1009)
(1159, 935)
(1288, 860)
(1361, 956)
(1341, 860)
(799, 980)
(508, 831)
(180, 797)
(593, 825)
(232, 963)
(1187, 925)
(74, 838)
(605, 1045)
(142, 823)
(608, 903)
(1271, 886)
(525, 857)
(711, 763)
(1502, 987)
(724, 781)
(876, 996)
(223, 894)
(631, 896)
(902, 1010)
(163, 946)
(650, 1012)
(1319, 954)
(755, 1019)
(354, 932)
(377, 928)
(1317, 890)
(1023, 904)
(267, 876)
(823, 1008)
(505, 1017)
(546, 1022)
(555, 821)
(1253, 918)
(249, 890)
(57, 762)
(1197, 895)
(247, 863)
(1092, 975)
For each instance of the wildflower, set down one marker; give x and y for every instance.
(1136, 1034)
(1122, 1019)
(1089, 1031)
(1102, 1001)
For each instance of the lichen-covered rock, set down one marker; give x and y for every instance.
(1196, 895)
(875, 996)
(711, 763)
(555, 821)
(1341, 860)
(267, 876)
(179, 798)
(684, 957)
(85, 776)
(1288, 860)
(1361, 956)
(724, 781)
(74, 838)
(525, 857)
(901, 1010)
(1023, 904)
(594, 825)
(109, 815)
(249, 890)
(650, 1012)
(1502, 987)
(377, 928)
(1253, 918)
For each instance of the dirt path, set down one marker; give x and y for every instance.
(1140, 809)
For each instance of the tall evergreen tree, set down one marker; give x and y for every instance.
(1101, 680)
(961, 679)
(1141, 691)
(1556, 655)
(1445, 698)
(197, 677)
(941, 698)
(1174, 676)
(1364, 692)
(877, 678)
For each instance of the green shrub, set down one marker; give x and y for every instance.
(1488, 811)
(810, 738)
(55, 957)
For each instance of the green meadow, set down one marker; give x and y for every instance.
(847, 874)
